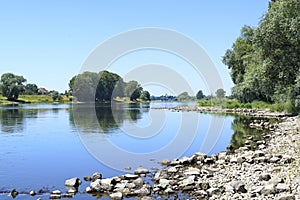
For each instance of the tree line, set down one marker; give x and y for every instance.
(105, 86)
(12, 86)
(265, 61)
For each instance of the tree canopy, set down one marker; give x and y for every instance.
(103, 86)
(265, 61)
(12, 85)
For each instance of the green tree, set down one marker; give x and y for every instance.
(265, 61)
(12, 85)
(145, 96)
(31, 89)
(184, 96)
(132, 90)
(200, 95)
(56, 96)
(220, 93)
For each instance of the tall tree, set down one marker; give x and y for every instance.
(31, 89)
(12, 85)
(200, 95)
(132, 90)
(220, 93)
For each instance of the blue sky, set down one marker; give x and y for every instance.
(48, 41)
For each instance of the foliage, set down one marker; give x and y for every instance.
(184, 96)
(265, 61)
(103, 86)
(145, 96)
(31, 89)
(220, 93)
(133, 90)
(55, 96)
(12, 85)
(200, 95)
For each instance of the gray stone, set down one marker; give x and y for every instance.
(87, 178)
(68, 195)
(165, 162)
(188, 181)
(192, 171)
(56, 192)
(241, 159)
(143, 191)
(212, 191)
(282, 187)
(264, 177)
(96, 185)
(172, 170)
(238, 187)
(128, 168)
(259, 153)
(274, 159)
(138, 181)
(233, 160)
(268, 189)
(96, 176)
(169, 191)
(88, 189)
(163, 183)
(55, 196)
(73, 182)
(32, 193)
(130, 176)
(141, 170)
(14, 193)
(286, 197)
(116, 195)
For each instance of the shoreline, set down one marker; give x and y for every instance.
(269, 172)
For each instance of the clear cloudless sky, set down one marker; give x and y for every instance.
(48, 41)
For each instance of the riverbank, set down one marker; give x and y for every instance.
(252, 112)
(268, 172)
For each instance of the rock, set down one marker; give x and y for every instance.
(141, 170)
(165, 162)
(73, 182)
(274, 159)
(55, 196)
(257, 189)
(212, 191)
(72, 190)
(138, 181)
(188, 181)
(239, 187)
(14, 193)
(142, 192)
(56, 192)
(172, 170)
(192, 171)
(32, 193)
(105, 183)
(88, 189)
(233, 160)
(240, 159)
(209, 160)
(163, 183)
(96, 185)
(204, 185)
(87, 178)
(96, 176)
(128, 168)
(169, 191)
(264, 177)
(69, 195)
(268, 189)
(259, 153)
(281, 187)
(202, 193)
(286, 197)
(130, 176)
(116, 196)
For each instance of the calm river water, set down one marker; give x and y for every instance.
(43, 145)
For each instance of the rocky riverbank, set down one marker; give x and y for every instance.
(271, 171)
(253, 112)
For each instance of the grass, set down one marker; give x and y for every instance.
(234, 104)
(37, 99)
